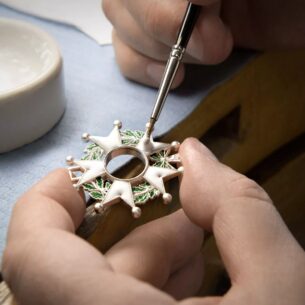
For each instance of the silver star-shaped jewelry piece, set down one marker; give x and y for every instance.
(121, 189)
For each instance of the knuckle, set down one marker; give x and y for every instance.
(152, 20)
(248, 188)
(154, 24)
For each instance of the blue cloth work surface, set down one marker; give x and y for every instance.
(97, 94)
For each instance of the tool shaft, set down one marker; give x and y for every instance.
(173, 62)
(167, 80)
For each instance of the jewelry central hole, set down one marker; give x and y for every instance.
(133, 166)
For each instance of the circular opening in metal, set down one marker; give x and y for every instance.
(118, 157)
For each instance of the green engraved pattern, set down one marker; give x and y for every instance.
(143, 192)
(97, 189)
(93, 152)
(131, 137)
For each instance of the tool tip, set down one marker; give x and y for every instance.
(150, 127)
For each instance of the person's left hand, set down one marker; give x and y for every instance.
(45, 263)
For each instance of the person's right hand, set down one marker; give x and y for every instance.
(265, 263)
(144, 31)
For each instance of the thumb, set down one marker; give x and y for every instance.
(212, 40)
(208, 184)
(249, 232)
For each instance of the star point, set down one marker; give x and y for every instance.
(111, 142)
(121, 190)
(92, 169)
(149, 146)
(156, 176)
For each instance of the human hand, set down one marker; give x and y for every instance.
(264, 262)
(144, 31)
(45, 263)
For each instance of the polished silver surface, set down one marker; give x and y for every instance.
(86, 171)
(127, 150)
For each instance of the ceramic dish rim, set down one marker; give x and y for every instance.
(43, 77)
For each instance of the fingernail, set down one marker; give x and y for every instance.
(155, 72)
(195, 46)
(202, 149)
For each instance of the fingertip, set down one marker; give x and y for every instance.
(199, 188)
(58, 178)
(213, 39)
(186, 147)
(140, 68)
(191, 146)
(189, 142)
(57, 186)
(107, 8)
(227, 45)
(61, 177)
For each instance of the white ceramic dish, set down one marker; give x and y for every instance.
(32, 95)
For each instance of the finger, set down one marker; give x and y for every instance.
(40, 242)
(187, 281)
(244, 221)
(155, 16)
(159, 19)
(140, 68)
(58, 268)
(132, 34)
(158, 249)
(211, 41)
(52, 202)
(47, 264)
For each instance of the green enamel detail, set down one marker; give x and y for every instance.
(143, 192)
